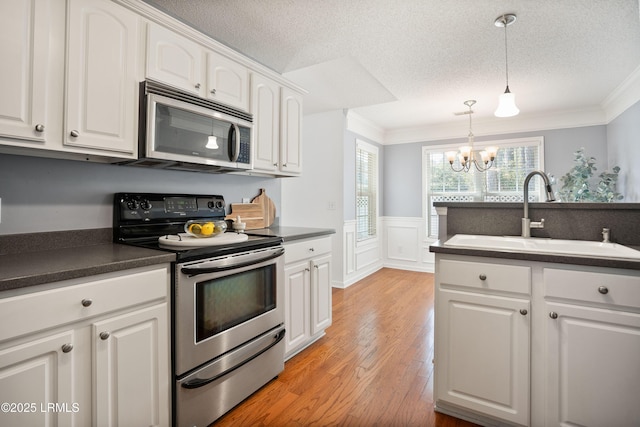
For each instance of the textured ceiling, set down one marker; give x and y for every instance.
(410, 63)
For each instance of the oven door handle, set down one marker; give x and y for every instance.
(199, 382)
(193, 271)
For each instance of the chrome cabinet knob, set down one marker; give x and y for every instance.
(483, 277)
(67, 348)
(284, 165)
(603, 290)
(39, 127)
(197, 85)
(104, 335)
(87, 302)
(523, 311)
(74, 133)
(213, 91)
(553, 315)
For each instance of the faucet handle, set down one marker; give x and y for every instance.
(606, 235)
(537, 224)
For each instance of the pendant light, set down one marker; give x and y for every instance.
(507, 103)
(466, 155)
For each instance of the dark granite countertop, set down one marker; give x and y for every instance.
(438, 247)
(39, 258)
(289, 234)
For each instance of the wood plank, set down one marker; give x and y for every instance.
(373, 367)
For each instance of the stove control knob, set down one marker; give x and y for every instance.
(133, 204)
(211, 205)
(219, 204)
(145, 204)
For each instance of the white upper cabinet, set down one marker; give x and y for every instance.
(291, 132)
(102, 84)
(265, 107)
(27, 104)
(174, 59)
(227, 81)
(180, 62)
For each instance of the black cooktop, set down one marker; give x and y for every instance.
(139, 219)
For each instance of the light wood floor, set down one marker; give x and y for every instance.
(373, 367)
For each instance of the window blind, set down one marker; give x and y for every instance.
(366, 191)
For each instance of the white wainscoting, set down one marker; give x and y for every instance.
(405, 244)
(401, 244)
(360, 258)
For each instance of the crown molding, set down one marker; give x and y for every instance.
(365, 128)
(623, 97)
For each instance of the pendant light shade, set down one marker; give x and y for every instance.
(507, 105)
(507, 102)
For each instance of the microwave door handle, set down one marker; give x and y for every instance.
(236, 149)
(194, 271)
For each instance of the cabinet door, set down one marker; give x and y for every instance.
(24, 49)
(174, 60)
(291, 132)
(297, 304)
(131, 369)
(265, 107)
(321, 294)
(102, 85)
(37, 374)
(593, 367)
(227, 81)
(482, 354)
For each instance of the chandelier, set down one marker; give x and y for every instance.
(507, 102)
(466, 156)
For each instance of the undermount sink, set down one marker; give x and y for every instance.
(543, 245)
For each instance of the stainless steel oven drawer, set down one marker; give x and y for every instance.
(208, 393)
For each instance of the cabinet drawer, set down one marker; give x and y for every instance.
(606, 288)
(476, 275)
(305, 249)
(100, 294)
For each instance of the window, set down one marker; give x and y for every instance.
(502, 183)
(366, 190)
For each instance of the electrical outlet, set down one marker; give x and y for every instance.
(331, 206)
(246, 200)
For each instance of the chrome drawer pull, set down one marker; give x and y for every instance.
(87, 302)
(67, 348)
(523, 311)
(553, 315)
(104, 336)
(603, 290)
(483, 277)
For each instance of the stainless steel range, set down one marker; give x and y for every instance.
(227, 301)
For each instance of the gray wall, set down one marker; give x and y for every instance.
(41, 194)
(403, 163)
(623, 142)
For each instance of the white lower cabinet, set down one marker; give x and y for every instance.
(540, 344)
(482, 339)
(307, 274)
(88, 352)
(593, 349)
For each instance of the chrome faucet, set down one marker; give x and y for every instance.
(527, 224)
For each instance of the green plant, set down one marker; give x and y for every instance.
(576, 184)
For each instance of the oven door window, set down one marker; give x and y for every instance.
(225, 302)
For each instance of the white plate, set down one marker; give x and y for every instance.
(184, 240)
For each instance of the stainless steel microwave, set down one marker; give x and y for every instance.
(179, 130)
